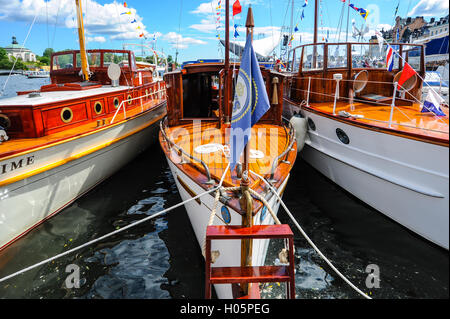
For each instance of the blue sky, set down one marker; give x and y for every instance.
(189, 25)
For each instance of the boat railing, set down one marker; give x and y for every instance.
(159, 93)
(277, 159)
(181, 152)
(354, 99)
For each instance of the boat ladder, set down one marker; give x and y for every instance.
(249, 274)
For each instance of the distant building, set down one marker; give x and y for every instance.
(18, 51)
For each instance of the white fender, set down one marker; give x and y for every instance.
(301, 128)
(3, 136)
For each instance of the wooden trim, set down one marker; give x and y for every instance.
(188, 189)
(67, 139)
(412, 136)
(76, 156)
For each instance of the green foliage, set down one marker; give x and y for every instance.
(48, 52)
(7, 64)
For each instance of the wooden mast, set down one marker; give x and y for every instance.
(316, 18)
(246, 199)
(226, 86)
(84, 64)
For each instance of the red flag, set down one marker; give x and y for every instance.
(236, 7)
(407, 73)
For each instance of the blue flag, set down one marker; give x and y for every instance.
(250, 102)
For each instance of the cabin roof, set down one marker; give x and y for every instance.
(57, 96)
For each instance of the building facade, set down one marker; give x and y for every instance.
(18, 51)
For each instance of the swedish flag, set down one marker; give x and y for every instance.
(250, 102)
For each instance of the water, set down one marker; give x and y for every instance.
(160, 259)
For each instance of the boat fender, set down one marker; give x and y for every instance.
(3, 136)
(300, 125)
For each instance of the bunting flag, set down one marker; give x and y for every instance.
(236, 8)
(396, 9)
(296, 28)
(305, 4)
(129, 12)
(407, 73)
(389, 58)
(363, 12)
(125, 4)
(432, 103)
(303, 15)
(250, 102)
(236, 34)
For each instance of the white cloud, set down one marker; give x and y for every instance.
(96, 39)
(429, 8)
(180, 42)
(99, 19)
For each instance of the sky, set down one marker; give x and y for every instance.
(191, 27)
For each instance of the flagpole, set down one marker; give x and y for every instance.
(227, 58)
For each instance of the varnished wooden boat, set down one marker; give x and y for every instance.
(370, 139)
(194, 138)
(70, 135)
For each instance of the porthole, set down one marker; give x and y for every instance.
(5, 122)
(342, 136)
(129, 97)
(66, 115)
(311, 124)
(98, 107)
(116, 102)
(225, 214)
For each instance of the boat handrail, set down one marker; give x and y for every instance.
(354, 99)
(158, 92)
(276, 160)
(182, 152)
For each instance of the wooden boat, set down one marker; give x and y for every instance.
(195, 138)
(62, 140)
(369, 139)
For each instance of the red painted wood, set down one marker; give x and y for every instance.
(257, 231)
(253, 293)
(226, 275)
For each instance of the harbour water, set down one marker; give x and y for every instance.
(161, 259)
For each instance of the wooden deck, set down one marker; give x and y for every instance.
(268, 140)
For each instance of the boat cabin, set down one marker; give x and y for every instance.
(359, 68)
(69, 102)
(196, 92)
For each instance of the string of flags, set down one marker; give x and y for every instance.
(362, 12)
(133, 20)
(433, 101)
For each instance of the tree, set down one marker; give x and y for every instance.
(48, 53)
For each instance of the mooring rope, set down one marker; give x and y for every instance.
(309, 240)
(107, 235)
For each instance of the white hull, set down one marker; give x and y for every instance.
(405, 179)
(230, 250)
(28, 202)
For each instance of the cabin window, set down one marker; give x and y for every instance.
(297, 59)
(115, 57)
(337, 56)
(98, 107)
(66, 115)
(413, 54)
(200, 95)
(93, 59)
(62, 61)
(312, 57)
(368, 56)
(116, 102)
(129, 99)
